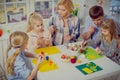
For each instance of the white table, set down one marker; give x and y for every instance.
(67, 71)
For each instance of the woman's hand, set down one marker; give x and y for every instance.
(52, 29)
(67, 38)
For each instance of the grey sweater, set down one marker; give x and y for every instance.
(111, 51)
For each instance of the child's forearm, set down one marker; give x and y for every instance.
(86, 35)
(33, 73)
(30, 55)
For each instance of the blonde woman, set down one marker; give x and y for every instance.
(38, 36)
(16, 64)
(64, 26)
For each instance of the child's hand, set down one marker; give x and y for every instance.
(47, 42)
(98, 50)
(118, 45)
(41, 59)
(40, 40)
(52, 29)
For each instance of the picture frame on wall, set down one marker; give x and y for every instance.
(16, 12)
(12, 11)
(44, 8)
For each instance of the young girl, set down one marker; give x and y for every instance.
(38, 37)
(110, 44)
(64, 26)
(16, 64)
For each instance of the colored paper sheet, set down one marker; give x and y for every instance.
(46, 65)
(91, 54)
(49, 50)
(88, 68)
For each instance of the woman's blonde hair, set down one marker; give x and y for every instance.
(17, 40)
(32, 18)
(68, 5)
(109, 25)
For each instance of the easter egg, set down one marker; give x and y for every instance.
(73, 60)
(42, 53)
(72, 49)
(47, 57)
(81, 50)
(63, 56)
(1, 32)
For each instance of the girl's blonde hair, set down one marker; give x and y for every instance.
(68, 5)
(17, 40)
(109, 25)
(32, 18)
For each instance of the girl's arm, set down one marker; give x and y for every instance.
(34, 71)
(30, 55)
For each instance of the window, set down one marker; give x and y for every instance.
(12, 11)
(44, 8)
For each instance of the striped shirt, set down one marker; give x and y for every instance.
(111, 51)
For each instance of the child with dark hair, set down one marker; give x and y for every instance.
(93, 21)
